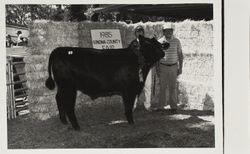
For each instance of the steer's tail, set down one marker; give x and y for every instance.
(50, 83)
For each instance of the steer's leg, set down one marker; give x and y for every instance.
(69, 98)
(128, 101)
(60, 105)
(70, 109)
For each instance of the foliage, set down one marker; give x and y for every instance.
(23, 14)
(76, 12)
(18, 14)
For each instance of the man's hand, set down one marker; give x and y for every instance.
(165, 45)
(179, 72)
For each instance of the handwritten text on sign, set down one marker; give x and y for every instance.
(106, 38)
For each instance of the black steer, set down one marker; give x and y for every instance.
(100, 73)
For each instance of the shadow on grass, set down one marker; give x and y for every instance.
(189, 112)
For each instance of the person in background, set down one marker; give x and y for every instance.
(147, 88)
(20, 39)
(170, 68)
(9, 42)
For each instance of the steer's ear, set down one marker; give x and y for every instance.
(141, 38)
(153, 39)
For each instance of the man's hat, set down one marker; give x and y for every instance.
(139, 28)
(168, 26)
(19, 32)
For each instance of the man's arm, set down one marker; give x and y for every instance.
(180, 58)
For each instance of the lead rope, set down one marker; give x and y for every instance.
(141, 59)
(140, 75)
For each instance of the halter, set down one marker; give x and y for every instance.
(141, 59)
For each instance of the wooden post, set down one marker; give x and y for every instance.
(8, 88)
(11, 111)
(13, 106)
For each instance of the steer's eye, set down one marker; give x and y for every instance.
(148, 43)
(135, 44)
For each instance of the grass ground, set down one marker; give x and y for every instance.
(106, 127)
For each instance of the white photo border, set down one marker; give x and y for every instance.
(220, 124)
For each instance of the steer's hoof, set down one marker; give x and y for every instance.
(74, 129)
(64, 122)
(131, 122)
(77, 128)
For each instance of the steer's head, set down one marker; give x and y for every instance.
(151, 49)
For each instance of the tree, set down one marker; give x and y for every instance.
(22, 14)
(58, 13)
(17, 14)
(76, 12)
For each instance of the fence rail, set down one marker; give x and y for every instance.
(17, 101)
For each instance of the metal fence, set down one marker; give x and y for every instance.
(17, 98)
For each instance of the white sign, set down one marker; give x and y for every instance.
(106, 38)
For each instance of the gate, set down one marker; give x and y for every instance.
(17, 98)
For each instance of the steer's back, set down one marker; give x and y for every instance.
(94, 71)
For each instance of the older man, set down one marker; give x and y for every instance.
(170, 67)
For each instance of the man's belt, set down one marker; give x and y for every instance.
(168, 64)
